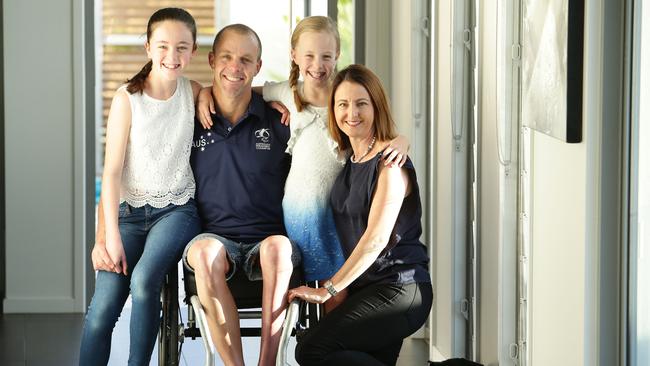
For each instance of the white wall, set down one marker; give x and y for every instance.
(448, 254)
(575, 214)
(43, 115)
(400, 66)
(558, 215)
(490, 181)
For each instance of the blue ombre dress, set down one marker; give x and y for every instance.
(315, 164)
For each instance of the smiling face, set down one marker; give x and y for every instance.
(353, 110)
(170, 48)
(316, 55)
(235, 62)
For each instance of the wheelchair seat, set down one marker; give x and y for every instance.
(246, 293)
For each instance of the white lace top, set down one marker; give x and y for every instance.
(157, 161)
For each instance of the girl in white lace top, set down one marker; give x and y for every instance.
(147, 190)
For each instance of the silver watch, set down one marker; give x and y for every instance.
(330, 288)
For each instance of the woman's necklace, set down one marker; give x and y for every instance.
(370, 146)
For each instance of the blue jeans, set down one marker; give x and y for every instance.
(153, 240)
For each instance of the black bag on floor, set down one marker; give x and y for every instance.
(454, 362)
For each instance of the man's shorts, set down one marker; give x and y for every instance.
(241, 256)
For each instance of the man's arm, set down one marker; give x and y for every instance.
(101, 260)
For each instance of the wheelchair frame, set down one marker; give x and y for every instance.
(173, 332)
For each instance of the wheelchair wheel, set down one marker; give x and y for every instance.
(168, 344)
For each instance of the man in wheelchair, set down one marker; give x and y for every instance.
(240, 167)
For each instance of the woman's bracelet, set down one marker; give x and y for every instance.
(330, 288)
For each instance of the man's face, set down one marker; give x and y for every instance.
(234, 63)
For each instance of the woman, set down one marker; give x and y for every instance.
(377, 214)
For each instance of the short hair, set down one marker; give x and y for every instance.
(239, 29)
(384, 124)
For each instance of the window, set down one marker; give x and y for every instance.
(122, 25)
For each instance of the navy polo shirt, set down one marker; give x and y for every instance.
(240, 172)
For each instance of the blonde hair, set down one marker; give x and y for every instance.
(384, 124)
(310, 24)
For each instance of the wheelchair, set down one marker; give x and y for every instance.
(248, 298)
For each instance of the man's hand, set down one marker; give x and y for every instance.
(101, 260)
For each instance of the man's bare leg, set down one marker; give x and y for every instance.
(209, 259)
(275, 260)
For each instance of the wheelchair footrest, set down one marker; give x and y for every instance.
(250, 332)
(192, 332)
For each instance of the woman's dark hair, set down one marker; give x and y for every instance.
(136, 83)
(383, 120)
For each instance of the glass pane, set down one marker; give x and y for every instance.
(123, 36)
(345, 22)
(319, 7)
(271, 22)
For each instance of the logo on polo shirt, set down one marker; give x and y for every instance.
(262, 135)
(203, 141)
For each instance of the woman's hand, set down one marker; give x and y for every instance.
(204, 107)
(116, 253)
(397, 151)
(283, 110)
(309, 294)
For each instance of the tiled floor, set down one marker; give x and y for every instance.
(53, 340)
(40, 339)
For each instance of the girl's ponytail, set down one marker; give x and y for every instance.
(136, 83)
(293, 83)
